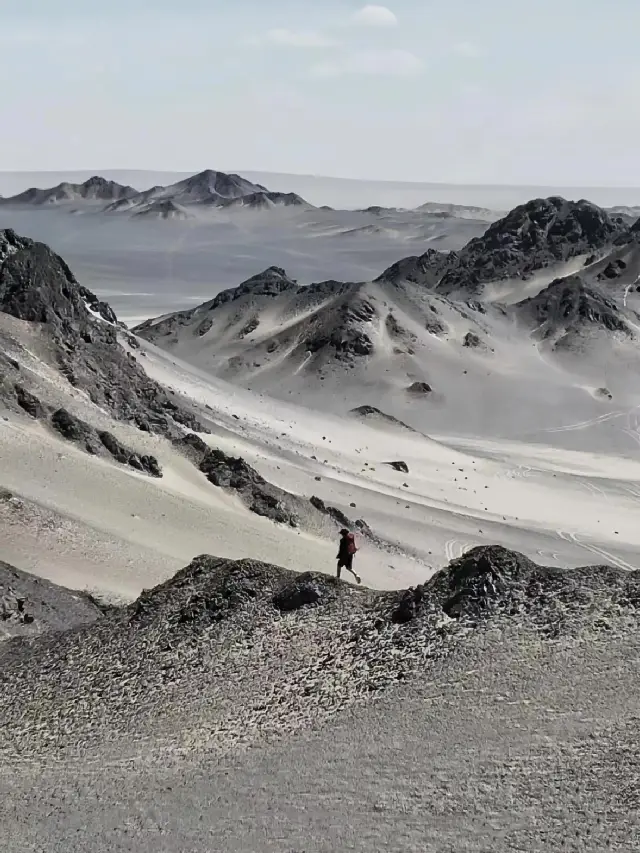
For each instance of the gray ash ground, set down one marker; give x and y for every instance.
(493, 708)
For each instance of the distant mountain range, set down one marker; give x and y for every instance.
(561, 276)
(544, 306)
(206, 189)
(94, 189)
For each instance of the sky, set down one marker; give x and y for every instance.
(463, 91)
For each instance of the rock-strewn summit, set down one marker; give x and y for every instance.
(533, 236)
(226, 653)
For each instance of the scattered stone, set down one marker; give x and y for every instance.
(399, 466)
(472, 340)
(420, 388)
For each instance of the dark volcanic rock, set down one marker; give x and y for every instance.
(93, 441)
(262, 498)
(613, 269)
(70, 427)
(375, 414)
(146, 463)
(532, 236)
(333, 512)
(192, 444)
(570, 305)
(29, 402)
(426, 269)
(491, 579)
(342, 332)
(302, 591)
(36, 285)
(399, 466)
(471, 340)
(419, 388)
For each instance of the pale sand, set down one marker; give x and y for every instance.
(89, 523)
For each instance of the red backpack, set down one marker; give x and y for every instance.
(351, 544)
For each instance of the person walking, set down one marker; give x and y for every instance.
(346, 552)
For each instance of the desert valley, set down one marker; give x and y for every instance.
(201, 383)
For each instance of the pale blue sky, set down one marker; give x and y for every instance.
(483, 91)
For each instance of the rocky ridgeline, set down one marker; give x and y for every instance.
(94, 189)
(226, 653)
(37, 286)
(261, 497)
(532, 236)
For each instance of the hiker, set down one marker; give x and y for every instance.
(346, 553)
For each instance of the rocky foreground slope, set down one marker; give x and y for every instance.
(229, 653)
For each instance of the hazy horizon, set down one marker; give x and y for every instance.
(90, 171)
(346, 193)
(403, 92)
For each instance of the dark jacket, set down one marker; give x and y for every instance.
(343, 549)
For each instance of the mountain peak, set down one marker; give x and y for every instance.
(535, 235)
(36, 285)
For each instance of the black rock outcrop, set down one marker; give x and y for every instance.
(492, 580)
(569, 305)
(37, 286)
(532, 236)
(261, 497)
(96, 442)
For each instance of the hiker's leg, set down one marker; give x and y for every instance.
(350, 568)
(339, 570)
